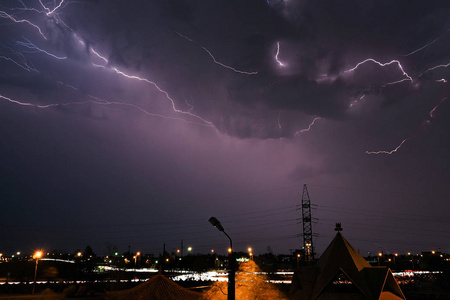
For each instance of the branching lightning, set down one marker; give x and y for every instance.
(29, 45)
(5, 15)
(49, 12)
(165, 93)
(19, 57)
(408, 77)
(388, 152)
(21, 61)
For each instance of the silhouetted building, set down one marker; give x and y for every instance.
(159, 287)
(342, 273)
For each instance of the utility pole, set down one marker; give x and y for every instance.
(308, 257)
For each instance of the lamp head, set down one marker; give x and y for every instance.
(216, 223)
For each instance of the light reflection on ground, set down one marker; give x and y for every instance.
(251, 284)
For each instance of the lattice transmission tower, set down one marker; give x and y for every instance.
(307, 227)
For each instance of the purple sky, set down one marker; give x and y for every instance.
(131, 123)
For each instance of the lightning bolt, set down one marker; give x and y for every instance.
(181, 35)
(165, 93)
(356, 101)
(308, 128)
(21, 60)
(32, 48)
(97, 101)
(437, 106)
(427, 122)
(408, 77)
(435, 67)
(29, 45)
(421, 48)
(226, 66)
(427, 45)
(27, 103)
(5, 15)
(388, 152)
(50, 12)
(212, 56)
(276, 56)
(99, 56)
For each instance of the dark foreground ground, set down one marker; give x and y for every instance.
(95, 285)
(94, 291)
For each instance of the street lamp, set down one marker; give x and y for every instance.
(231, 273)
(135, 259)
(36, 256)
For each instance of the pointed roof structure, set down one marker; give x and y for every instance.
(159, 287)
(340, 271)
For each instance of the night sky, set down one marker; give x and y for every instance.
(131, 123)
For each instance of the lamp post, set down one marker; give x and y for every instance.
(135, 259)
(36, 256)
(231, 273)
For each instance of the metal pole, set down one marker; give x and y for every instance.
(231, 261)
(35, 273)
(231, 272)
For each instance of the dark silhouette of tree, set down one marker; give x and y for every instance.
(89, 259)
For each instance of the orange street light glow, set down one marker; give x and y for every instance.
(37, 254)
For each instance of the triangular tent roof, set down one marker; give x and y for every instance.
(341, 259)
(159, 287)
(340, 256)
